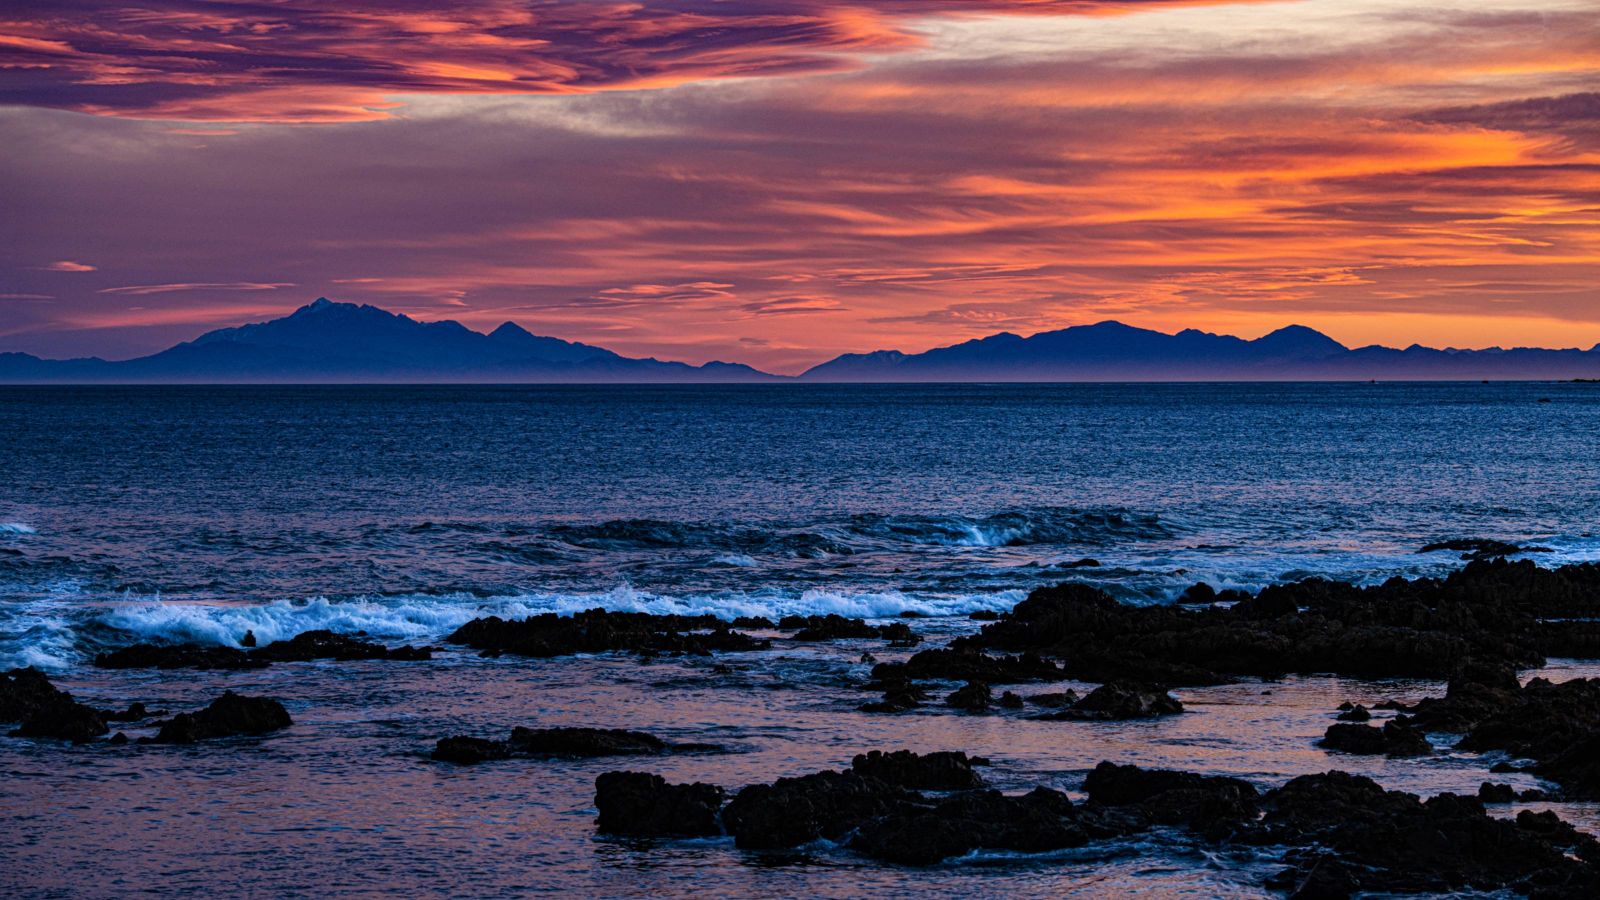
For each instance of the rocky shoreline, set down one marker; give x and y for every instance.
(1338, 833)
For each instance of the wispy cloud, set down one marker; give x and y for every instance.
(141, 290)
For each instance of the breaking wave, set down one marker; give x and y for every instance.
(54, 638)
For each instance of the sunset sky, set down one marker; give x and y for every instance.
(779, 181)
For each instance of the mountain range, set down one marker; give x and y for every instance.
(345, 343)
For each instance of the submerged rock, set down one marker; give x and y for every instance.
(1054, 700)
(597, 631)
(644, 805)
(228, 715)
(551, 742)
(1395, 738)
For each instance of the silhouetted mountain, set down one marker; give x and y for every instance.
(342, 342)
(1112, 351)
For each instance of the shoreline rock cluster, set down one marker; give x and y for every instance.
(1340, 833)
(45, 711)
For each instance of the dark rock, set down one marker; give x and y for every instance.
(754, 623)
(1119, 700)
(133, 713)
(969, 665)
(1490, 613)
(466, 750)
(827, 628)
(597, 631)
(249, 639)
(65, 719)
(1054, 701)
(178, 656)
(983, 615)
(942, 771)
(1199, 593)
(1496, 793)
(1394, 843)
(1085, 563)
(1357, 713)
(24, 692)
(1037, 822)
(303, 647)
(974, 697)
(795, 811)
(1481, 548)
(228, 715)
(28, 697)
(1009, 700)
(557, 742)
(323, 644)
(1395, 738)
(1215, 806)
(899, 634)
(644, 805)
(118, 738)
(1555, 725)
(898, 696)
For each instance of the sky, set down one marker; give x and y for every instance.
(779, 181)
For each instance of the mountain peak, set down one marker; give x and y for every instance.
(1300, 341)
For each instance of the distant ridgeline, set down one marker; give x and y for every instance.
(342, 343)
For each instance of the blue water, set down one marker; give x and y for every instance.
(200, 513)
(196, 513)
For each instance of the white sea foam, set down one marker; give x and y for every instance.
(49, 640)
(17, 528)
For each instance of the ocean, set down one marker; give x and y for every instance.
(200, 513)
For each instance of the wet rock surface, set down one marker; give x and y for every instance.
(644, 805)
(28, 697)
(941, 771)
(227, 716)
(559, 742)
(303, 647)
(598, 631)
(1490, 612)
(1393, 738)
(1341, 834)
(1349, 835)
(833, 627)
(1119, 701)
(795, 811)
(970, 665)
